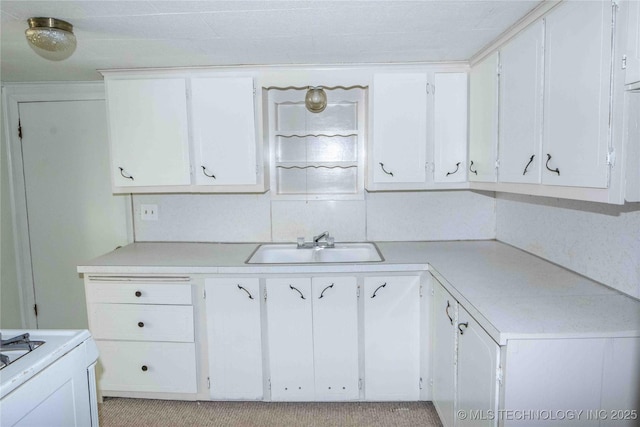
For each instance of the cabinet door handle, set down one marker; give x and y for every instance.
(204, 171)
(446, 310)
(138, 294)
(471, 170)
(556, 170)
(125, 174)
(297, 290)
(322, 293)
(244, 289)
(384, 170)
(141, 324)
(457, 167)
(144, 368)
(460, 325)
(527, 167)
(377, 289)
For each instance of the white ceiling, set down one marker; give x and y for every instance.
(164, 33)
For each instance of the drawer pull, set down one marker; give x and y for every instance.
(556, 170)
(384, 170)
(460, 325)
(141, 324)
(457, 167)
(243, 289)
(377, 289)
(322, 293)
(527, 167)
(138, 294)
(144, 368)
(125, 174)
(471, 168)
(446, 310)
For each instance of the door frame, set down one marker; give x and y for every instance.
(12, 96)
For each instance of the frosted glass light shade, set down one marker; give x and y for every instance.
(51, 38)
(315, 100)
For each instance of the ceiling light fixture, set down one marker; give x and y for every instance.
(315, 100)
(51, 38)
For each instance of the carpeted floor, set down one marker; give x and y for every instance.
(119, 412)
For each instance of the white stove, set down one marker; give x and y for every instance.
(47, 378)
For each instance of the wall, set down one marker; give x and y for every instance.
(597, 240)
(420, 215)
(10, 316)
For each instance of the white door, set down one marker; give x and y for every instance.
(290, 338)
(72, 214)
(576, 104)
(478, 362)
(335, 338)
(148, 132)
(483, 120)
(521, 77)
(392, 337)
(450, 127)
(445, 310)
(399, 128)
(234, 338)
(224, 133)
(632, 74)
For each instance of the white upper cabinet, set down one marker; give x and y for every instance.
(483, 122)
(633, 44)
(224, 131)
(399, 128)
(148, 129)
(521, 78)
(450, 127)
(577, 95)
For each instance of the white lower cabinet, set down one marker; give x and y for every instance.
(312, 328)
(465, 365)
(234, 338)
(392, 337)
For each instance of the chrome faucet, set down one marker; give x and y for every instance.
(328, 241)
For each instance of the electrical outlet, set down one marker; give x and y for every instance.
(149, 212)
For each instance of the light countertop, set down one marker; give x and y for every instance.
(512, 294)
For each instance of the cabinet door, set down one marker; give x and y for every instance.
(483, 120)
(399, 128)
(148, 131)
(224, 133)
(478, 363)
(234, 338)
(335, 338)
(392, 338)
(632, 75)
(290, 337)
(450, 127)
(521, 77)
(445, 314)
(576, 105)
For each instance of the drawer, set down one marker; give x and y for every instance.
(147, 367)
(142, 322)
(138, 293)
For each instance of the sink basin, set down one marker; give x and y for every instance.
(288, 253)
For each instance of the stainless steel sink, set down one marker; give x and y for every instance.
(289, 253)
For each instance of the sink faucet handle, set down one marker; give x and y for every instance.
(330, 241)
(300, 242)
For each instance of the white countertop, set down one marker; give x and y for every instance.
(511, 293)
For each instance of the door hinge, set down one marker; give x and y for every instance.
(430, 382)
(265, 294)
(35, 309)
(431, 88)
(19, 130)
(499, 375)
(624, 62)
(359, 383)
(204, 294)
(611, 157)
(421, 297)
(358, 291)
(254, 91)
(209, 383)
(269, 385)
(420, 384)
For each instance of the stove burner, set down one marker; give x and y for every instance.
(17, 346)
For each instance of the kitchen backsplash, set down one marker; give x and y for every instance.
(597, 240)
(432, 215)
